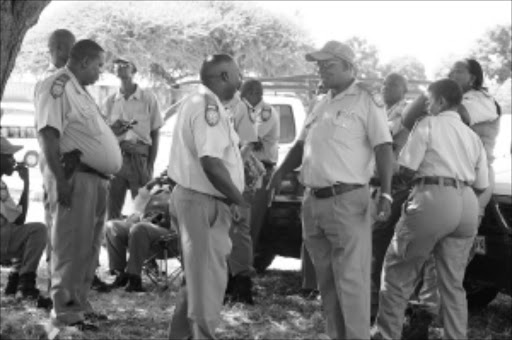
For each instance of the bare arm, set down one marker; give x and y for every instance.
(49, 139)
(23, 172)
(293, 159)
(153, 149)
(385, 164)
(219, 176)
(414, 111)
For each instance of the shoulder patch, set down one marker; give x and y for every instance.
(266, 113)
(211, 111)
(58, 85)
(374, 93)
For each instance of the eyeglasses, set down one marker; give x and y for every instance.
(326, 64)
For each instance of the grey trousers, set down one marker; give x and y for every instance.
(439, 220)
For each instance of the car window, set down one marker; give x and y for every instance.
(287, 123)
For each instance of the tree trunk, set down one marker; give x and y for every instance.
(17, 16)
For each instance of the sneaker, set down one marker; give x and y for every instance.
(99, 286)
(12, 283)
(134, 284)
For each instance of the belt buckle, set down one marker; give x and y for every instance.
(333, 190)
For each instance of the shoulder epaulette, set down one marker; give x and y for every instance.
(58, 85)
(374, 94)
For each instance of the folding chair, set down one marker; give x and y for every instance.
(168, 248)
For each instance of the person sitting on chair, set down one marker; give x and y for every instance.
(139, 233)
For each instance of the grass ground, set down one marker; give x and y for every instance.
(280, 313)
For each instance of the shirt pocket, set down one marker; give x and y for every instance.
(346, 126)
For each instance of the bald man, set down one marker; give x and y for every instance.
(206, 164)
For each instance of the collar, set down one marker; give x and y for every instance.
(396, 105)
(204, 90)
(349, 91)
(451, 114)
(74, 81)
(137, 95)
(52, 68)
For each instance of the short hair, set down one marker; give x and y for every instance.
(210, 63)
(85, 48)
(251, 85)
(59, 35)
(475, 69)
(398, 77)
(447, 89)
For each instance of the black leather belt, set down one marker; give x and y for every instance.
(82, 167)
(444, 181)
(334, 190)
(268, 165)
(223, 200)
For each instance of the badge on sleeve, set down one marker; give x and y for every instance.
(266, 113)
(58, 85)
(211, 112)
(212, 115)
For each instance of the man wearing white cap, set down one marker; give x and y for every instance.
(24, 241)
(344, 135)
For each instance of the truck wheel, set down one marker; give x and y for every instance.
(479, 296)
(262, 261)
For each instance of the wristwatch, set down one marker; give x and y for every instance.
(387, 196)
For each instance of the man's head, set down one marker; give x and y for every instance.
(394, 88)
(7, 151)
(252, 91)
(335, 63)
(86, 61)
(124, 69)
(221, 75)
(60, 43)
(443, 95)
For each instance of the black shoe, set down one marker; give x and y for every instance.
(99, 286)
(417, 325)
(120, 281)
(44, 302)
(309, 293)
(95, 316)
(85, 326)
(12, 283)
(27, 286)
(135, 284)
(242, 290)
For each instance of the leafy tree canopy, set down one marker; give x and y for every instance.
(493, 51)
(173, 38)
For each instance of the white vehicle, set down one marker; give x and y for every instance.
(17, 123)
(291, 114)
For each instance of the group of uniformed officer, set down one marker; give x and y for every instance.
(222, 159)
